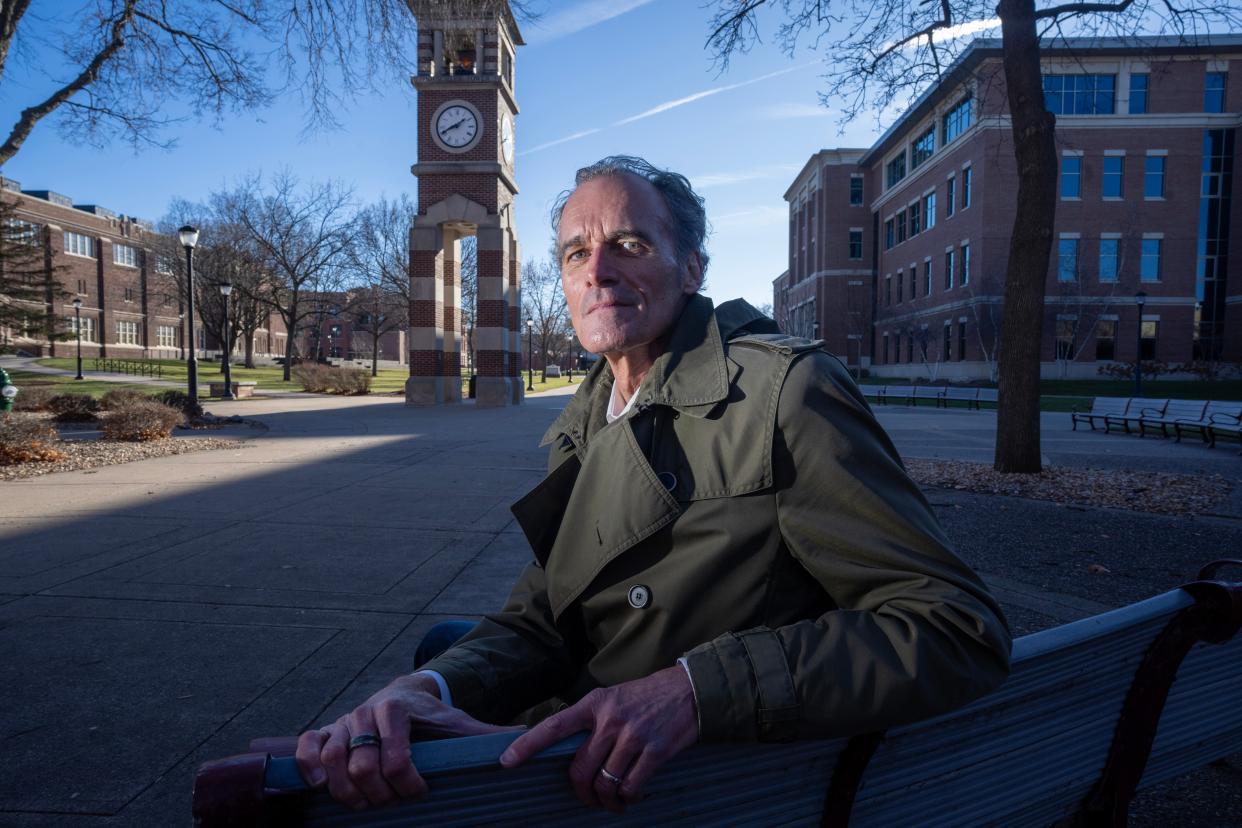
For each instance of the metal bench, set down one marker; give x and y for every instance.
(1101, 407)
(1225, 423)
(1092, 712)
(1216, 412)
(1138, 408)
(1176, 410)
(973, 397)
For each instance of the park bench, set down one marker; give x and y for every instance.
(240, 389)
(909, 394)
(1091, 712)
(1101, 407)
(973, 397)
(1137, 408)
(1216, 412)
(1177, 410)
(1226, 423)
(873, 392)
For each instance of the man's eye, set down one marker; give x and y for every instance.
(631, 245)
(575, 255)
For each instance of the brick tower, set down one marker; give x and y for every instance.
(466, 187)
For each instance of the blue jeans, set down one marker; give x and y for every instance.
(439, 638)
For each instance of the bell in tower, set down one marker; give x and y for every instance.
(466, 187)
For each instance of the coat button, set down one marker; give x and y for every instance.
(668, 480)
(640, 596)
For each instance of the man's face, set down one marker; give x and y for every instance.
(619, 268)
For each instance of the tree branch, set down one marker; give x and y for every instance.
(1082, 8)
(32, 115)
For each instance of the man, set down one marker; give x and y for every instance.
(726, 545)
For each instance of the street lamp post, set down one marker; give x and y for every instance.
(226, 288)
(569, 345)
(530, 355)
(77, 324)
(189, 237)
(181, 333)
(1140, 299)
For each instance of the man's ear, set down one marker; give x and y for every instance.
(692, 277)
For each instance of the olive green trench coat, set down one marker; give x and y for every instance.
(751, 516)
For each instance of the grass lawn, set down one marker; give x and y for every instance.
(95, 388)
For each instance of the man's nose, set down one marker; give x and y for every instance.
(602, 267)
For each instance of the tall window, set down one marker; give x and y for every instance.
(1153, 177)
(1138, 96)
(856, 244)
(1214, 92)
(1071, 176)
(124, 254)
(929, 210)
(947, 354)
(901, 226)
(915, 213)
(950, 196)
(948, 269)
(1148, 332)
(961, 340)
(127, 333)
(901, 277)
(88, 328)
(1105, 339)
(895, 170)
(166, 336)
(1079, 94)
(967, 177)
(888, 290)
(1067, 260)
(1066, 328)
(888, 234)
(965, 264)
(923, 147)
(1113, 182)
(856, 191)
(927, 278)
(1149, 266)
(1109, 249)
(17, 231)
(955, 122)
(79, 244)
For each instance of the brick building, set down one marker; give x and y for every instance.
(131, 304)
(340, 328)
(897, 252)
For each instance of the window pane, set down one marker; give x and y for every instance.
(923, 147)
(1138, 95)
(1114, 175)
(950, 196)
(1153, 178)
(1108, 260)
(929, 209)
(966, 179)
(1150, 265)
(1067, 260)
(856, 191)
(1071, 176)
(1214, 92)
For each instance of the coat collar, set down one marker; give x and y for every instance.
(692, 376)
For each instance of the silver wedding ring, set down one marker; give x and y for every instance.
(364, 740)
(616, 780)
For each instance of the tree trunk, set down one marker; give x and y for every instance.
(249, 349)
(375, 356)
(1017, 416)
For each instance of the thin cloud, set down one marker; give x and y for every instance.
(673, 104)
(579, 17)
(666, 106)
(725, 179)
(756, 217)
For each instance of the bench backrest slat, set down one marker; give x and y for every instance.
(1232, 409)
(1109, 405)
(1187, 409)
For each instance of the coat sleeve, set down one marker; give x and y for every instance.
(914, 632)
(512, 659)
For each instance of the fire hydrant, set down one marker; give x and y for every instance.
(8, 391)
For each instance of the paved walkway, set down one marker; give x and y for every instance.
(158, 614)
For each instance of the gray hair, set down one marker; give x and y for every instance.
(685, 206)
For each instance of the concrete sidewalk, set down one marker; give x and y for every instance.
(158, 614)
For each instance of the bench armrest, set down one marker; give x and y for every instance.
(1232, 419)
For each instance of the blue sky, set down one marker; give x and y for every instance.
(597, 77)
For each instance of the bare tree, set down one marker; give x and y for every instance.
(887, 51)
(125, 62)
(543, 302)
(301, 237)
(924, 343)
(377, 310)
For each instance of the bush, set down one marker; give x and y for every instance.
(74, 408)
(180, 401)
(26, 439)
(121, 397)
(352, 382)
(141, 421)
(315, 378)
(1125, 370)
(33, 397)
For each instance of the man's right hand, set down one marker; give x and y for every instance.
(409, 707)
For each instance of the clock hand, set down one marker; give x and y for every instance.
(453, 127)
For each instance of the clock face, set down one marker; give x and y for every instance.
(456, 126)
(506, 139)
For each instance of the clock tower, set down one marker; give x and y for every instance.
(466, 111)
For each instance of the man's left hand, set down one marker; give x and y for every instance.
(635, 728)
